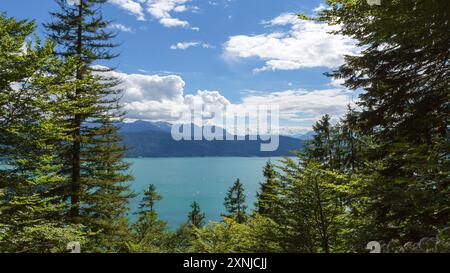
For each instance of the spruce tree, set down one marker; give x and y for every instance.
(151, 196)
(195, 217)
(320, 147)
(149, 232)
(269, 195)
(404, 72)
(235, 202)
(315, 199)
(98, 190)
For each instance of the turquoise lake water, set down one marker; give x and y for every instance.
(203, 179)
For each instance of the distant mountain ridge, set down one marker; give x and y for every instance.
(154, 139)
(142, 126)
(305, 136)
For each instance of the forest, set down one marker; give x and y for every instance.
(379, 174)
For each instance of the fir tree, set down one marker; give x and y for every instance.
(149, 200)
(269, 195)
(404, 71)
(195, 217)
(235, 202)
(149, 233)
(93, 157)
(320, 147)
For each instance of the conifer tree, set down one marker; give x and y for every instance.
(316, 203)
(269, 195)
(351, 142)
(151, 196)
(404, 71)
(320, 147)
(98, 190)
(32, 94)
(195, 217)
(149, 233)
(235, 202)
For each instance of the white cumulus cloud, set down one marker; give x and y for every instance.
(162, 10)
(305, 44)
(131, 6)
(183, 45)
(186, 45)
(163, 98)
(121, 27)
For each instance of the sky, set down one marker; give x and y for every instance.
(220, 52)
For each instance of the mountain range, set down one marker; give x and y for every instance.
(154, 139)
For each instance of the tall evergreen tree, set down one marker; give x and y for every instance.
(149, 232)
(32, 89)
(351, 143)
(195, 217)
(151, 196)
(320, 147)
(269, 195)
(235, 202)
(315, 199)
(315, 215)
(405, 72)
(98, 189)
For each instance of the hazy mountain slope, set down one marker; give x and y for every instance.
(146, 139)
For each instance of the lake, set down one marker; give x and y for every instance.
(203, 179)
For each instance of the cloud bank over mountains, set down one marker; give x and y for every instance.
(286, 43)
(162, 98)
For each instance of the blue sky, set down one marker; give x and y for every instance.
(239, 52)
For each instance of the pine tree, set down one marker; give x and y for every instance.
(149, 233)
(351, 142)
(32, 93)
(269, 195)
(313, 215)
(320, 147)
(195, 217)
(151, 196)
(98, 190)
(316, 203)
(235, 202)
(404, 71)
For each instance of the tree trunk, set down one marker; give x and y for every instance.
(76, 149)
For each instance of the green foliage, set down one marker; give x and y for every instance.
(150, 198)
(380, 173)
(98, 189)
(404, 71)
(149, 233)
(268, 198)
(33, 86)
(258, 235)
(224, 237)
(196, 218)
(42, 238)
(235, 202)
